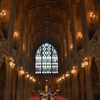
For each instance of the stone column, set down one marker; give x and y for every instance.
(82, 84)
(84, 27)
(7, 84)
(21, 42)
(26, 89)
(13, 86)
(67, 39)
(69, 89)
(97, 61)
(88, 83)
(73, 38)
(98, 23)
(76, 94)
(26, 51)
(19, 86)
(11, 26)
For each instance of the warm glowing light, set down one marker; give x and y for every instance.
(1, 14)
(27, 75)
(46, 80)
(10, 58)
(73, 71)
(94, 16)
(86, 62)
(15, 34)
(67, 75)
(12, 64)
(60, 79)
(83, 64)
(31, 78)
(79, 35)
(21, 67)
(74, 67)
(3, 11)
(63, 77)
(71, 46)
(22, 71)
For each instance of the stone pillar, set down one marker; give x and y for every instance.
(7, 87)
(69, 88)
(89, 83)
(26, 89)
(26, 51)
(73, 39)
(76, 94)
(97, 61)
(13, 86)
(82, 84)
(11, 26)
(98, 23)
(84, 27)
(67, 39)
(19, 86)
(21, 42)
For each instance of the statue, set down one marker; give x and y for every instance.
(46, 88)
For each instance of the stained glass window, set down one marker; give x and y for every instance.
(46, 60)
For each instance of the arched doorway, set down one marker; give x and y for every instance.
(95, 80)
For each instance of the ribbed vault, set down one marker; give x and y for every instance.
(47, 21)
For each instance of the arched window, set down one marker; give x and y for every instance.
(46, 60)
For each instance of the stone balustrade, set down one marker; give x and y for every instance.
(80, 55)
(92, 43)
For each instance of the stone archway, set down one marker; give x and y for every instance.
(95, 80)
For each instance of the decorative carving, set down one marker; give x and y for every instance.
(97, 51)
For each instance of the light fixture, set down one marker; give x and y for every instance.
(72, 46)
(15, 35)
(22, 71)
(46, 80)
(27, 75)
(3, 13)
(12, 64)
(31, 77)
(63, 77)
(83, 64)
(86, 61)
(67, 74)
(79, 35)
(73, 70)
(92, 16)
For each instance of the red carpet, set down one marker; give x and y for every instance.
(35, 98)
(58, 98)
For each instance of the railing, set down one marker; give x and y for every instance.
(92, 43)
(91, 47)
(79, 57)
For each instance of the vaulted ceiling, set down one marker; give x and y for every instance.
(47, 19)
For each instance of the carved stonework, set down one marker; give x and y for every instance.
(97, 51)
